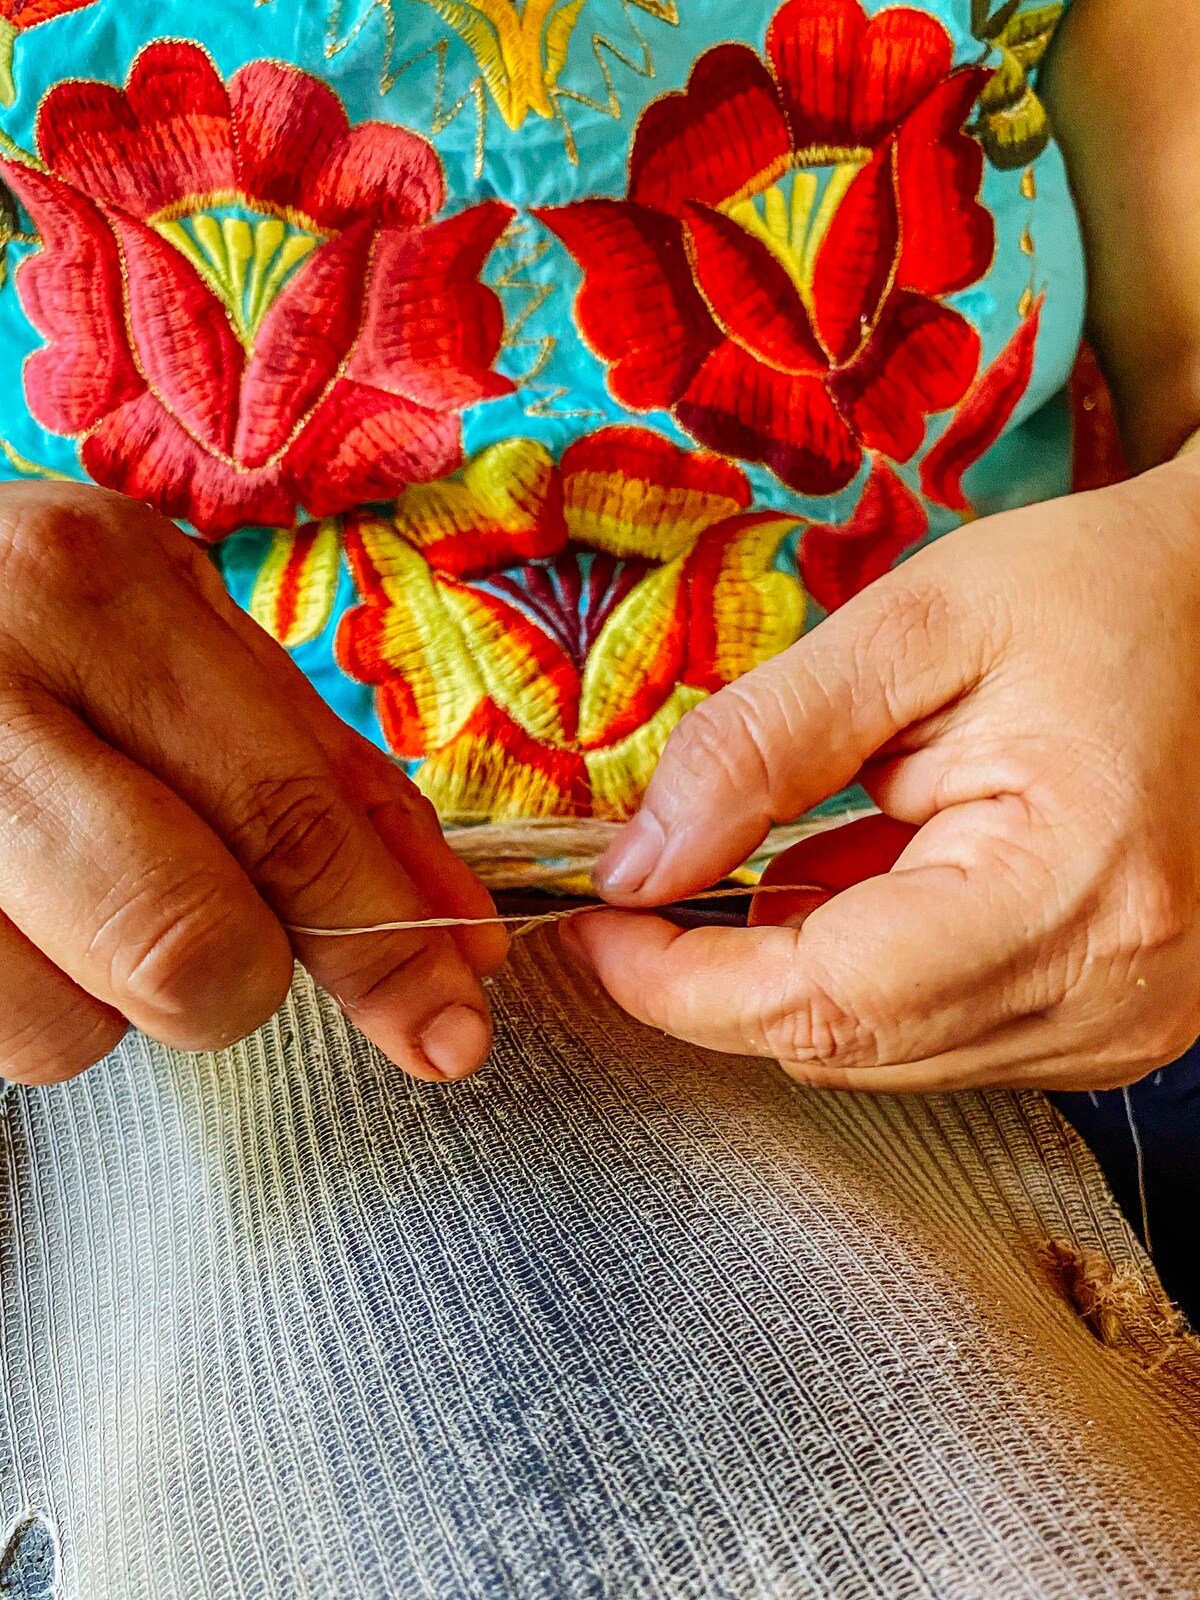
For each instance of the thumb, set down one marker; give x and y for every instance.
(788, 735)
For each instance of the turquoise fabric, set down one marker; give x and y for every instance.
(417, 63)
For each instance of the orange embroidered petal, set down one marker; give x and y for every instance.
(494, 769)
(522, 669)
(403, 633)
(294, 592)
(619, 773)
(741, 610)
(504, 509)
(631, 492)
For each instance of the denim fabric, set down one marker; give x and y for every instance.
(618, 1320)
(1147, 1139)
(28, 1564)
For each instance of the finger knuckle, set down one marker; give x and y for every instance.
(167, 943)
(816, 1030)
(720, 739)
(294, 833)
(48, 543)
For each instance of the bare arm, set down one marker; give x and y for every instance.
(1123, 90)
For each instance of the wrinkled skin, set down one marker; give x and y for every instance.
(1025, 692)
(173, 795)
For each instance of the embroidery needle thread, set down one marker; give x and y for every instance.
(526, 923)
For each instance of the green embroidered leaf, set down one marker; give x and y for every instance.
(987, 27)
(1012, 124)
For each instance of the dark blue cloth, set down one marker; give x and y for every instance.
(1147, 1139)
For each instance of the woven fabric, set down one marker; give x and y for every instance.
(618, 1318)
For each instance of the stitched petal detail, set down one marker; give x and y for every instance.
(503, 510)
(983, 415)
(286, 127)
(846, 81)
(403, 640)
(855, 259)
(750, 293)
(836, 562)
(743, 408)
(431, 330)
(715, 140)
(740, 609)
(72, 293)
(494, 768)
(380, 171)
(949, 238)
(631, 492)
(922, 359)
(166, 136)
(361, 444)
(142, 451)
(185, 345)
(301, 344)
(638, 307)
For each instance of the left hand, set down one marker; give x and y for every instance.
(1026, 693)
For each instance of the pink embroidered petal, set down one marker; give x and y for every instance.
(379, 171)
(184, 342)
(847, 82)
(431, 330)
(750, 293)
(71, 292)
(742, 408)
(638, 307)
(287, 125)
(166, 136)
(856, 259)
(361, 444)
(948, 237)
(301, 344)
(837, 561)
(141, 450)
(714, 140)
(922, 359)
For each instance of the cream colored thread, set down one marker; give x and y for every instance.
(526, 924)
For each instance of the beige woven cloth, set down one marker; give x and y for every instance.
(619, 1318)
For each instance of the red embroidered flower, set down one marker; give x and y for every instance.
(774, 277)
(246, 303)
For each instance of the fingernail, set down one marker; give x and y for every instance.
(632, 856)
(457, 1042)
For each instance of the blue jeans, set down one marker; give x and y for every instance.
(1147, 1139)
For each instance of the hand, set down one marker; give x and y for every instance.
(1026, 692)
(172, 793)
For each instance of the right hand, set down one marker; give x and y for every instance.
(174, 794)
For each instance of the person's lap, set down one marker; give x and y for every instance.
(1147, 1139)
(619, 1318)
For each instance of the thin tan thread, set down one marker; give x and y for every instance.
(526, 924)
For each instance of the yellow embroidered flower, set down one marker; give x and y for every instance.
(535, 632)
(520, 49)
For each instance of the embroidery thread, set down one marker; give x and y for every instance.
(250, 304)
(776, 276)
(535, 632)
